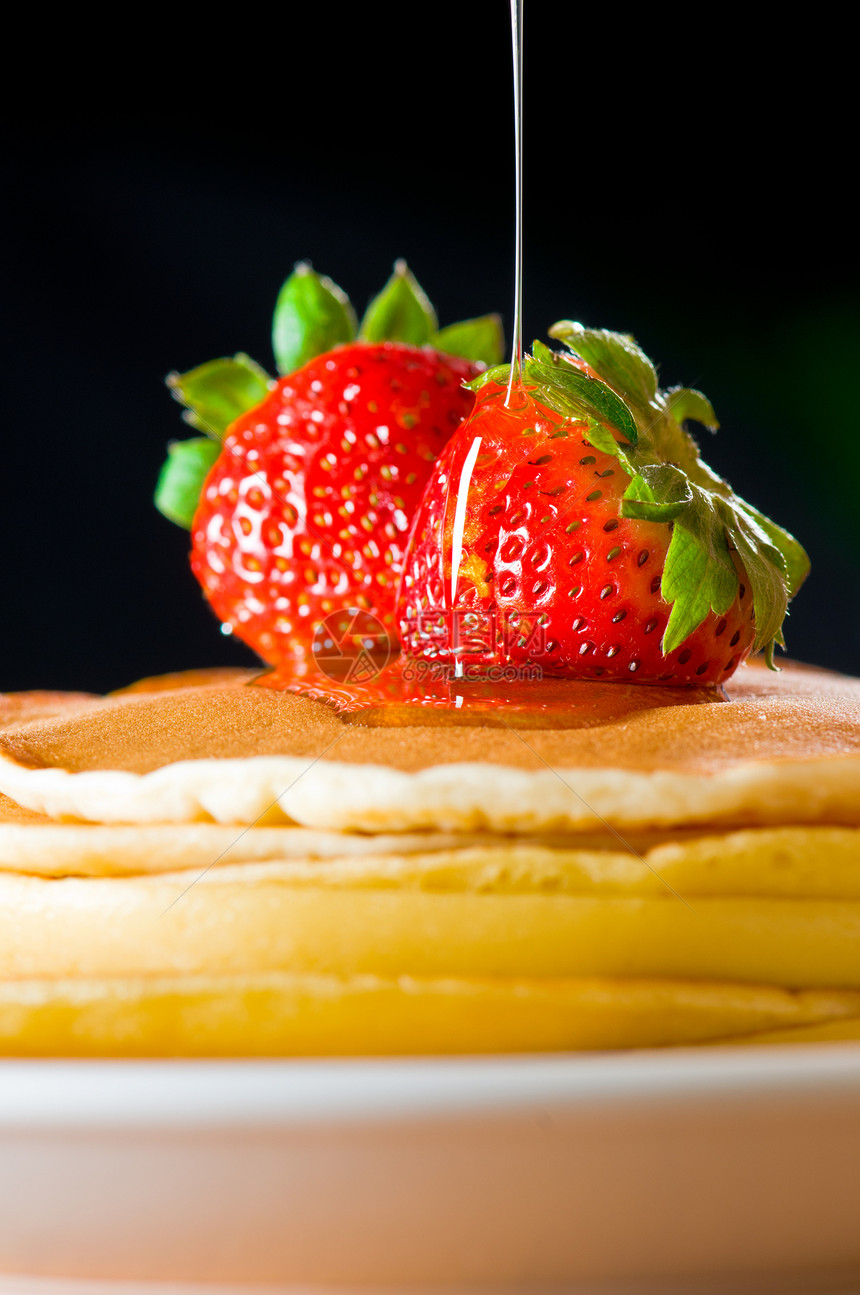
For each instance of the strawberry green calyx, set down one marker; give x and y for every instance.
(686, 403)
(481, 339)
(611, 385)
(214, 395)
(312, 316)
(569, 386)
(182, 476)
(402, 313)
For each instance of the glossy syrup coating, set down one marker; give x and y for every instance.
(307, 509)
(549, 572)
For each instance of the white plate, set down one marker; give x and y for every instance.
(674, 1171)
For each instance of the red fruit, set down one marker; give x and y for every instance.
(550, 573)
(308, 506)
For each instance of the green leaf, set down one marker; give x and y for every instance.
(658, 493)
(541, 352)
(793, 554)
(401, 313)
(699, 575)
(583, 396)
(602, 439)
(473, 339)
(766, 574)
(499, 373)
(764, 565)
(312, 314)
(216, 393)
(686, 402)
(547, 355)
(181, 478)
(615, 356)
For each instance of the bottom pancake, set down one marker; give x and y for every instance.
(283, 1015)
(845, 1029)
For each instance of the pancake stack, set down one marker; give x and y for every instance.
(205, 867)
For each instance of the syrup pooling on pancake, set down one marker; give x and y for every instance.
(403, 695)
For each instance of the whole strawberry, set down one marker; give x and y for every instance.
(570, 524)
(309, 493)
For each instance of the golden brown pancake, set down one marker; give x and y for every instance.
(783, 748)
(12, 813)
(798, 714)
(21, 707)
(348, 917)
(207, 677)
(281, 1014)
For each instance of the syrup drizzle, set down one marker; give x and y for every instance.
(517, 7)
(405, 693)
(515, 374)
(459, 526)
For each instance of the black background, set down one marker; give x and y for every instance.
(692, 187)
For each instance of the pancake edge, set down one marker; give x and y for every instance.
(329, 795)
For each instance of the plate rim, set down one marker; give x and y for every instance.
(255, 1093)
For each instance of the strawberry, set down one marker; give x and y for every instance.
(300, 506)
(575, 527)
(307, 508)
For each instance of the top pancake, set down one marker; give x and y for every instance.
(784, 748)
(21, 707)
